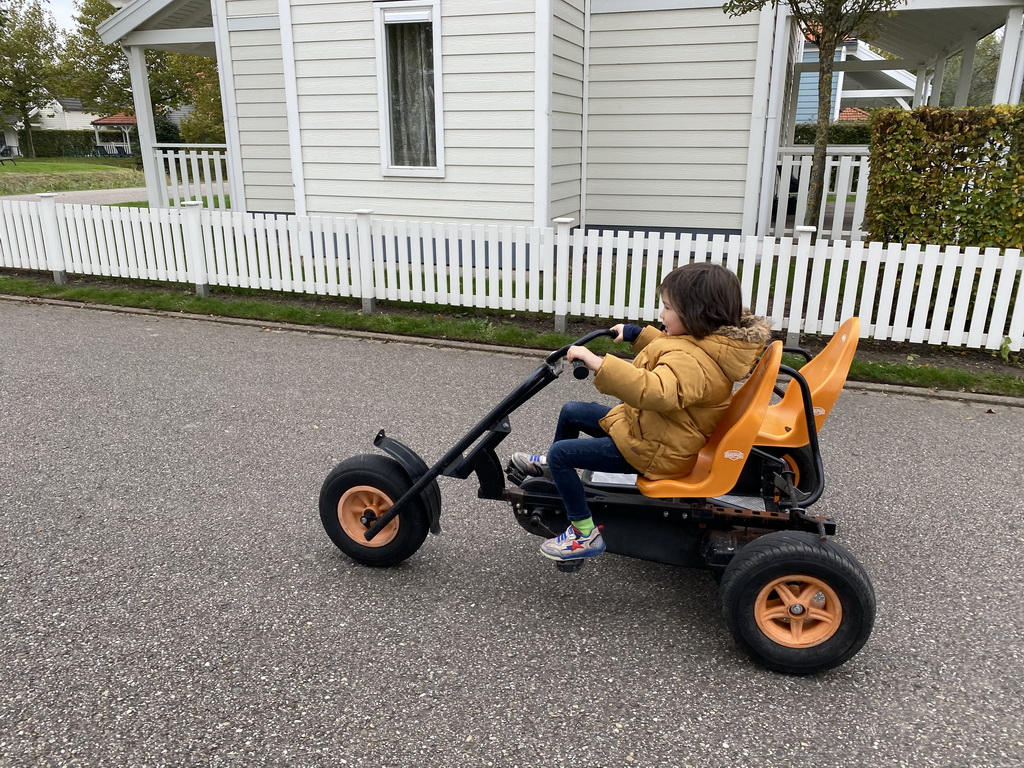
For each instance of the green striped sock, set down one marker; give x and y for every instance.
(584, 526)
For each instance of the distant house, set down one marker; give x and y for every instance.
(853, 115)
(853, 87)
(615, 113)
(59, 115)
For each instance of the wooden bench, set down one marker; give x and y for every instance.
(7, 160)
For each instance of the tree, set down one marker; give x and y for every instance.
(28, 77)
(983, 77)
(205, 123)
(98, 73)
(826, 23)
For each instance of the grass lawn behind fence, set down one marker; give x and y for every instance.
(67, 174)
(465, 324)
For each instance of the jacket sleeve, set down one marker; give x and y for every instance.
(647, 335)
(676, 382)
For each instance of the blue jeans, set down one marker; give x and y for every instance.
(570, 452)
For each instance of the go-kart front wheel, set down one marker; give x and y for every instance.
(355, 494)
(797, 604)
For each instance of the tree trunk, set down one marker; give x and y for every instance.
(29, 150)
(816, 190)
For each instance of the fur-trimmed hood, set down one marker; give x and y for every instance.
(752, 329)
(736, 347)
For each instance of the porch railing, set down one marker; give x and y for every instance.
(194, 173)
(845, 195)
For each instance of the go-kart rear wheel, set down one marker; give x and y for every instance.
(797, 604)
(355, 494)
(801, 461)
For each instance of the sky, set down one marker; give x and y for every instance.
(62, 11)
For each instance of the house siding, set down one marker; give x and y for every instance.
(56, 118)
(807, 93)
(488, 81)
(567, 105)
(257, 70)
(670, 96)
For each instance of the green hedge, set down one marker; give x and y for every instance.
(59, 143)
(838, 133)
(947, 176)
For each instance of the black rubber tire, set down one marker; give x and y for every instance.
(773, 557)
(383, 478)
(802, 461)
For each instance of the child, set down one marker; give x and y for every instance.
(673, 395)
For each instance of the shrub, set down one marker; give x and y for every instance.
(846, 132)
(947, 176)
(59, 143)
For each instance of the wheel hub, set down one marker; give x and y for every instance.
(798, 611)
(359, 508)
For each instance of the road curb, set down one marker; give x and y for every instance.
(386, 338)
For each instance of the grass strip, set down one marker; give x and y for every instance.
(438, 322)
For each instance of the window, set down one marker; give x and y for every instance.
(409, 86)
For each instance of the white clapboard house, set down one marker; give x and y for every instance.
(614, 113)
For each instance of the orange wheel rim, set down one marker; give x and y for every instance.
(798, 611)
(791, 463)
(358, 508)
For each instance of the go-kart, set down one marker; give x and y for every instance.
(793, 599)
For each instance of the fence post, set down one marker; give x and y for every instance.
(195, 251)
(364, 246)
(804, 235)
(51, 237)
(562, 259)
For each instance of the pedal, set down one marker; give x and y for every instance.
(784, 483)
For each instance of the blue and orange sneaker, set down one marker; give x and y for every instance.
(573, 545)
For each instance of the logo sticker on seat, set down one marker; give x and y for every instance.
(733, 455)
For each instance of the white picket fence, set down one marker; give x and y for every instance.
(956, 296)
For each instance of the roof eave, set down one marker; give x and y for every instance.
(129, 18)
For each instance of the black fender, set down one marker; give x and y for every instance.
(416, 468)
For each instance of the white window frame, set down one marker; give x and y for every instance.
(398, 11)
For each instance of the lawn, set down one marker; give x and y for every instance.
(65, 174)
(66, 165)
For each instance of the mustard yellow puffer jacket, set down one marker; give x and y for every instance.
(675, 392)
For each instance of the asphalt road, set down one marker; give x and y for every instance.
(169, 597)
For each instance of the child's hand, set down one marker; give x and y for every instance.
(588, 358)
(618, 332)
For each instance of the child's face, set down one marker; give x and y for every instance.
(670, 319)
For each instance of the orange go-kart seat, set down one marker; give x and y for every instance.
(785, 425)
(720, 462)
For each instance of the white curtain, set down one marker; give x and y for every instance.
(411, 86)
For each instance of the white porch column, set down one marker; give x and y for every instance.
(1008, 58)
(1018, 74)
(760, 116)
(937, 78)
(147, 132)
(543, 69)
(963, 88)
(921, 87)
(775, 119)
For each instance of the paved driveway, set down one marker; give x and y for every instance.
(91, 196)
(169, 598)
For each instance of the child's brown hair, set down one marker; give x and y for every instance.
(705, 296)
